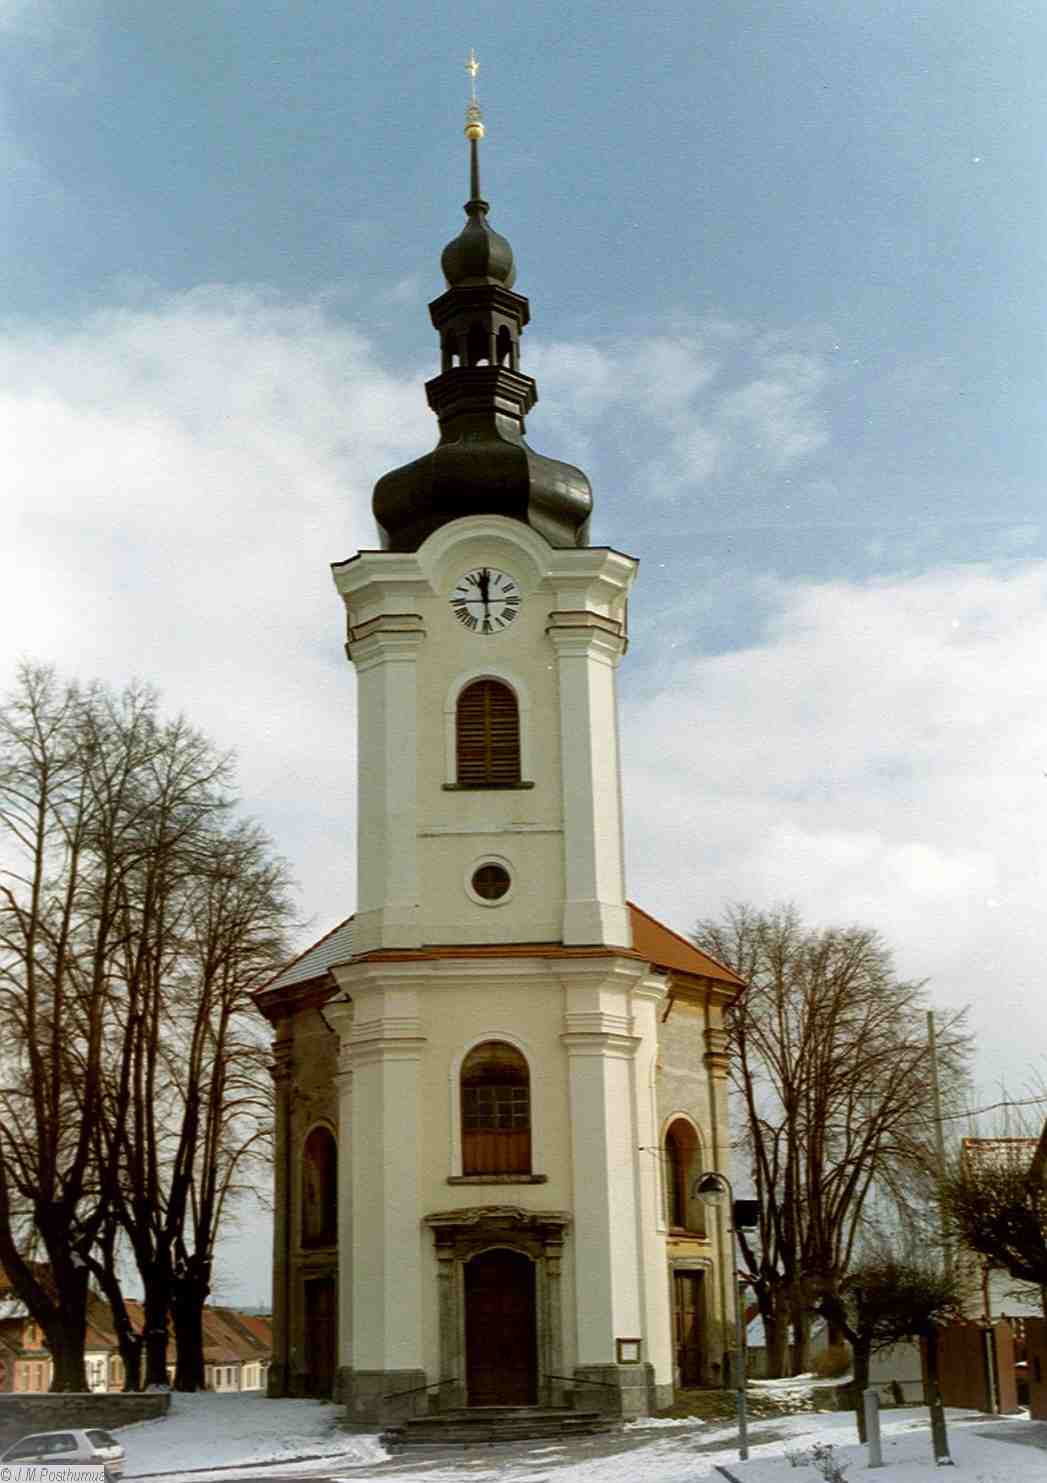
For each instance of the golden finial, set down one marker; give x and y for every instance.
(474, 126)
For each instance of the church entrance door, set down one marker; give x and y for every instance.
(501, 1351)
(687, 1322)
(320, 1319)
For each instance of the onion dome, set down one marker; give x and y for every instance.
(481, 465)
(478, 254)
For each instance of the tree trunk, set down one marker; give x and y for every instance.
(131, 1346)
(776, 1337)
(129, 1343)
(862, 1350)
(939, 1435)
(157, 1305)
(801, 1330)
(189, 1296)
(65, 1342)
(65, 1327)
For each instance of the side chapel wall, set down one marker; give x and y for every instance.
(692, 1082)
(306, 1063)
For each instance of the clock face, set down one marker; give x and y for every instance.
(486, 600)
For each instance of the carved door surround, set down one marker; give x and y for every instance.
(460, 1235)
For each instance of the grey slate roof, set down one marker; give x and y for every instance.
(335, 947)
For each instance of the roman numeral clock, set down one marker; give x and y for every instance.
(486, 600)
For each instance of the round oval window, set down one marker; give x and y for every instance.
(490, 882)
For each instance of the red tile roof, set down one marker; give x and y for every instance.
(653, 942)
(664, 948)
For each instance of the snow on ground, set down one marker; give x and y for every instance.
(221, 1431)
(226, 1434)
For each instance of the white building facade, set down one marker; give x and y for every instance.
(498, 1080)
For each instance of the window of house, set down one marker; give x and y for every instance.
(320, 1188)
(682, 1169)
(487, 736)
(496, 1110)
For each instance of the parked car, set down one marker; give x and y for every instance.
(91, 1445)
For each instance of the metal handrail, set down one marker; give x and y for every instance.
(415, 1389)
(573, 1380)
(542, 1375)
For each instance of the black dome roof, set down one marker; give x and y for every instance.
(478, 254)
(481, 465)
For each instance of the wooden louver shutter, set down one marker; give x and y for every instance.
(488, 735)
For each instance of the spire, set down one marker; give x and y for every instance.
(478, 254)
(474, 127)
(481, 465)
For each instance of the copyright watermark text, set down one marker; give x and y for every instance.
(42, 1472)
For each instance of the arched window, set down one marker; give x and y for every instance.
(487, 736)
(496, 1110)
(505, 348)
(320, 1188)
(682, 1168)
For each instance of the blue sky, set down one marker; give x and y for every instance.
(785, 264)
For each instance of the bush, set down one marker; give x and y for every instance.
(834, 1361)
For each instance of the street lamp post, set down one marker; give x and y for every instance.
(714, 1190)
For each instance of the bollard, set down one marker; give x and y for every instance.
(871, 1401)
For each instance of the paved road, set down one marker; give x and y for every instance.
(546, 1453)
(1027, 1433)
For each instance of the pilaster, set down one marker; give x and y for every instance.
(281, 1068)
(717, 1066)
(384, 1046)
(340, 1015)
(601, 1044)
(588, 649)
(647, 999)
(385, 651)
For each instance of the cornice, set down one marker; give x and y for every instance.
(590, 639)
(390, 640)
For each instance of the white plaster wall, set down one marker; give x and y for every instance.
(387, 1255)
(416, 837)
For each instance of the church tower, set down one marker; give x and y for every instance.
(509, 1158)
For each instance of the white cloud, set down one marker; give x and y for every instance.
(717, 399)
(880, 756)
(178, 478)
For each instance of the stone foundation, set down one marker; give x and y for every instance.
(380, 1397)
(627, 1391)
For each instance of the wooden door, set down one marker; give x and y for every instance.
(321, 1323)
(687, 1326)
(501, 1350)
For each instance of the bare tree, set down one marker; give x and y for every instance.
(829, 1064)
(239, 912)
(134, 914)
(883, 1300)
(70, 808)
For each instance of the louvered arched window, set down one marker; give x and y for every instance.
(487, 736)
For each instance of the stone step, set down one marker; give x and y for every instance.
(484, 1425)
